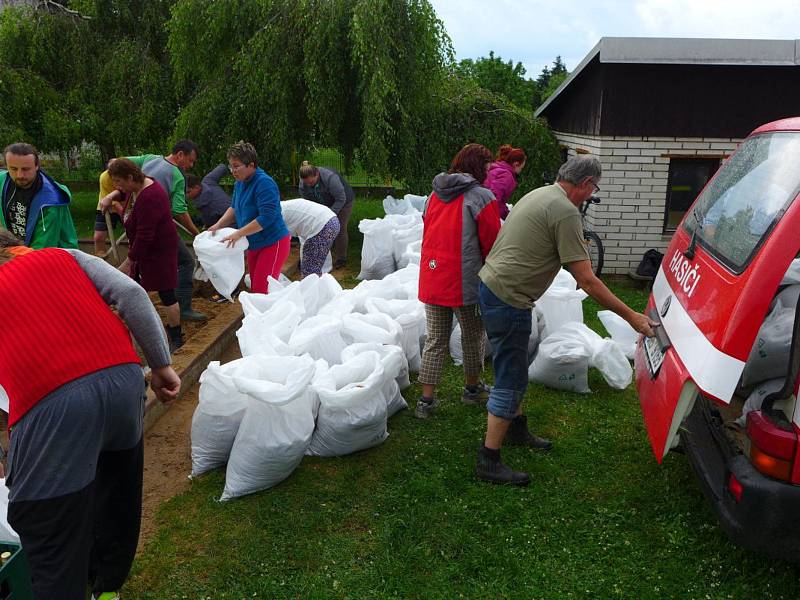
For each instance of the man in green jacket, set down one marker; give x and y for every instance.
(34, 207)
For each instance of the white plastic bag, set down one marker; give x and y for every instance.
(280, 293)
(224, 265)
(352, 411)
(621, 332)
(377, 257)
(792, 275)
(395, 371)
(388, 289)
(374, 327)
(318, 291)
(341, 304)
(277, 425)
(418, 202)
(402, 238)
(604, 354)
(7, 533)
(320, 337)
(560, 305)
(199, 273)
(412, 255)
(216, 419)
(457, 351)
(269, 332)
(562, 363)
(397, 206)
(410, 315)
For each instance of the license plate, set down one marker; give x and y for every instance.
(654, 353)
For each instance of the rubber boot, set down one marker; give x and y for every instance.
(493, 470)
(185, 302)
(175, 337)
(519, 435)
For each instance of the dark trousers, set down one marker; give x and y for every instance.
(89, 535)
(185, 272)
(339, 249)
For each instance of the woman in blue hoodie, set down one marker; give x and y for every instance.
(256, 210)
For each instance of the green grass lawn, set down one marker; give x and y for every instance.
(408, 519)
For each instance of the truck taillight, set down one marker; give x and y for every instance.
(772, 448)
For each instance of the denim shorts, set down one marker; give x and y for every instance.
(509, 329)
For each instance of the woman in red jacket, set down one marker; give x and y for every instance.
(153, 251)
(461, 224)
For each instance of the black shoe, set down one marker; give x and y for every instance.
(493, 470)
(519, 435)
(175, 337)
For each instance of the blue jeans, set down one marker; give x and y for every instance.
(509, 329)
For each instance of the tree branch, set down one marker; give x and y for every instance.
(50, 5)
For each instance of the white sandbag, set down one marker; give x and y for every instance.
(397, 206)
(612, 363)
(769, 357)
(216, 419)
(395, 371)
(605, 355)
(277, 425)
(319, 336)
(418, 202)
(374, 327)
(224, 265)
(352, 410)
(248, 282)
(410, 315)
(408, 274)
(7, 533)
(560, 305)
(457, 351)
(388, 289)
(402, 238)
(318, 291)
(562, 363)
(620, 331)
(377, 256)
(756, 398)
(280, 293)
(269, 332)
(341, 304)
(412, 255)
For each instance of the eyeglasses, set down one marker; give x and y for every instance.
(234, 168)
(596, 188)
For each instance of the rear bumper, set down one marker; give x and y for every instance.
(767, 519)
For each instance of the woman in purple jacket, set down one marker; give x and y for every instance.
(502, 177)
(153, 252)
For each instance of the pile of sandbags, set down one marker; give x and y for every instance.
(564, 357)
(386, 240)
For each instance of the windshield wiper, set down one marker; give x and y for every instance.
(689, 252)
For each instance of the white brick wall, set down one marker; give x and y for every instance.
(630, 218)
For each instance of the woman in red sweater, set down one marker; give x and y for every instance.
(153, 253)
(461, 224)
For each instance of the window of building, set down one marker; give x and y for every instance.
(687, 177)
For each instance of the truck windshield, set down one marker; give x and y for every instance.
(747, 197)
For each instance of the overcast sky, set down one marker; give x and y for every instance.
(534, 32)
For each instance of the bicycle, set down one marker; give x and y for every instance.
(594, 245)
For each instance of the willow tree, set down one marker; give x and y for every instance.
(351, 74)
(86, 70)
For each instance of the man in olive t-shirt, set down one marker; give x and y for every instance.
(543, 232)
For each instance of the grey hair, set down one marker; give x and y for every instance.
(578, 168)
(244, 152)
